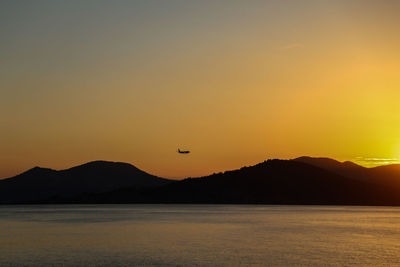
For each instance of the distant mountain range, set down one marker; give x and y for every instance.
(300, 181)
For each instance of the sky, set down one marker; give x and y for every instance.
(235, 82)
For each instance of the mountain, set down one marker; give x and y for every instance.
(270, 182)
(388, 175)
(303, 181)
(329, 164)
(347, 168)
(93, 177)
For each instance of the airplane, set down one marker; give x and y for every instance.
(183, 151)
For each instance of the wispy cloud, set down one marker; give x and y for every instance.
(372, 162)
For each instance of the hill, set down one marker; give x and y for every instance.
(301, 181)
(270, 182)
(388, 175)
(93, 177)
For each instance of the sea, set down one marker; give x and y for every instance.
(198, 235)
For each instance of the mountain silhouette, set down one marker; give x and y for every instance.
(303, 181)
(388, 175)
(347, 168)
(270, 182)
(93, 177)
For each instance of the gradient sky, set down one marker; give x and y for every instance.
(236, 82)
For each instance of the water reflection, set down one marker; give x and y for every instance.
(205, 235)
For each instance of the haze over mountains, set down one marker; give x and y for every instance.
(303, 180)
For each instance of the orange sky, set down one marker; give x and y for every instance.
(236, 82)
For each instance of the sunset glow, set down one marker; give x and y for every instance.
(235, 84)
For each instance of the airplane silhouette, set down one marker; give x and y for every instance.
(183, 151)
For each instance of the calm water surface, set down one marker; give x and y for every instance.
(198, 235)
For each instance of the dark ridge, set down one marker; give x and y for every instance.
(352, 164)
(387, 175)
(327, 163)
(304, 180)
(36, 170)
(93, 177)
(269, 182)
